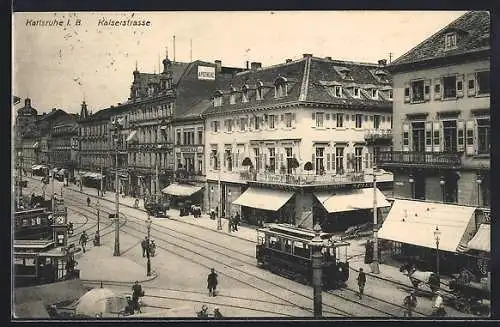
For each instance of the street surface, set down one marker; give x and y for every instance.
(186, 250)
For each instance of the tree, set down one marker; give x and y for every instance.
(247, 162)
(293, 163)
(308, 166)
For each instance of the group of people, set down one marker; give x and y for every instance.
(204, 312)
(410, 301)
(148, 247)
(133, 303)
(234, 222)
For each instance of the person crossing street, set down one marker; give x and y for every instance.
(83, 240)
(144, 246)
(361, 282)
(410, 303)
(212, 282)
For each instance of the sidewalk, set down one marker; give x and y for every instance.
(99, 264)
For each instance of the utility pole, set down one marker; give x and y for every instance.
(317, 266)
(157, 180)
(219, 212)
(53, 192)
(374, 265)
(117, 197)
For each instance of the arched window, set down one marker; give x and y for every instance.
(218, 99)
(259, 90)
(232, 96)
(280, 87)
(244, 93)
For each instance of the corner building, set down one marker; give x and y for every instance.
(281, 137)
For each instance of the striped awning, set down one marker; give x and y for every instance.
(349, 200)
(181, 190)
(260, 198)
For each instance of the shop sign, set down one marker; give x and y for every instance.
(191, 149)
(206, 73)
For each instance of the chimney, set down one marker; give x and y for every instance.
(54, 109)
(306, 55)
(255, 65)
(328, 58)
(382, 62)
(218, 66)
(27, 102)
(247, 63)
(288, 60)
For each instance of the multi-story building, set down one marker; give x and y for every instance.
(64, 145)
(26, 134)
(441, 110)
(280, 138)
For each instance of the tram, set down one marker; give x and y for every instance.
(285, 249)
(33, 224)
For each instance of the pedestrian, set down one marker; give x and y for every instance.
(212, 282)
(410, 303)
(203, 313)
(144, 245)
(438, 309)
(83, 240)
(152, 248)
(236, 221)
(88, 201)
(217, 313)
(137, 292)
(361, 282)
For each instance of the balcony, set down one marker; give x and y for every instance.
(183, 176)
(419, 159)
(379, 136)
(150, 147)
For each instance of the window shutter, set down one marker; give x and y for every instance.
(428, 143)
(436, 126)
(370, 160)
(460, 139)
(437, 83)
(327, 161)
(427, 90)
(460, 86)
(264, 161)
(348, 161)
(367, 158)
(281, 160)
(470, 148)
(313, 117)
(406, 129)
(333, 159)
(406, 93)
(471, 81)
(313, 161)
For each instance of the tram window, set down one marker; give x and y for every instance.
(25, 222)
(396, 248)
(274, 242)
(288, 246)
(38, 220)
(33, 221)
(260, 240)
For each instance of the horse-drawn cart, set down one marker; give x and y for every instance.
(470, 296)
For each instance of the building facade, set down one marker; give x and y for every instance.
(26, 134)
(64, 145)
(441, 131)
(286, 131)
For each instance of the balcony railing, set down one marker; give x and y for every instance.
(431, 159)
(378, 134)
(150, 146)
(304, 178)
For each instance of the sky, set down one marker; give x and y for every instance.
(59, 66)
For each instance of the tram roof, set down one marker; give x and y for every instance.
(293, 230)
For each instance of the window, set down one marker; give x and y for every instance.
(232, 98)
(339, 160)
(280, 90)
(340, 120)
(200, 136)
(436, 137)
(483, 136)
(417, 91)
(229, 125)
(358, 159)
(338, 91)
(470, 137)
(428, 138)
(256, 120)
(256, 154)
(450, 135)
(259, 91)
(359, 120)
(272, 121)
(288, 119)
(376, 121)
(407, 92)
(272, 159)
(450, 41)
(243, 124)
(320, 167)
(483, 82)
(215, 160)
(461, 137)
(289, 157)
(218, 101)
(374, 94)
(244, 94)
(450, 87)
(406, 138)
(216, 125)
(319, 119)
(229, 159)
(437, 88)
(179, 137)
(356, 92)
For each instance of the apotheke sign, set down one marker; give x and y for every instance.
(206, 73)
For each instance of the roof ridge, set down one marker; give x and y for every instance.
(305, 80)
(346, 62)
(272, 66)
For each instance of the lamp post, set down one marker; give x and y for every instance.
(19, 177)
(478, 182)
(228, 211)
(374, 265)
(442, 182)
(411, 180)
(437, 234)
(148, 249)
(317, 266)
(116, 131)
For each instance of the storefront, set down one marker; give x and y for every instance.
(411, 226)
(183, 194)
(338, 210)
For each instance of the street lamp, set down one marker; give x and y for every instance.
(479, 181)
(228, 211)
(20, 177)
(437, 234)
(411, 180)
(317, 267)
(374, 265)
(442, 182)
(148, 249)
(116, 129)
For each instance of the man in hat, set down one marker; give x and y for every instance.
(212, 282)
(410, 303)
(361, 282)
(217, 313)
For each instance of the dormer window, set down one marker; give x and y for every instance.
(244, 94)
(374, 94)
(232, 97)
(259, 90)
(218, 99)
(356, 92)
(338, 91)
(280, 89)
(450, 41)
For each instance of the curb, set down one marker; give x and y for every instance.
(176, 219)
(155, 275)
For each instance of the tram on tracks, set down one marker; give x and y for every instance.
(33, 224)
(285, 249)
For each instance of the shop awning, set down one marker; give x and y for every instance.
(131, 136)
(181, 190)
(481, 241)
(260, 198)
(348, 200)
(414, 222)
